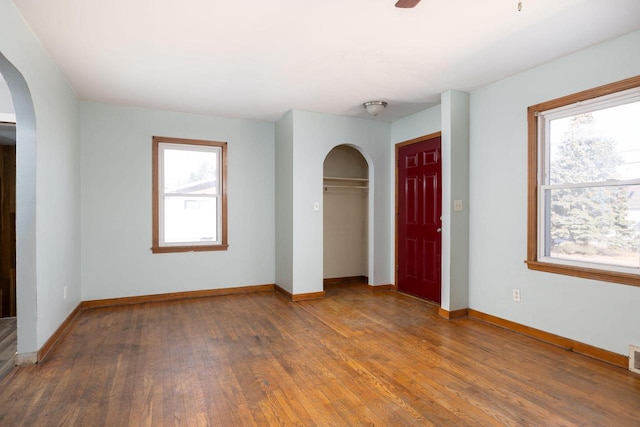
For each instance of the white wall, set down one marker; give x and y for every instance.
(314, 135)
(345, 233)
(116, 204)
(345, 162)
(48, 183)
(604, 315)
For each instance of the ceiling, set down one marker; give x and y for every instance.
(257, 59)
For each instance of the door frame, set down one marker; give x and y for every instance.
(397, 164)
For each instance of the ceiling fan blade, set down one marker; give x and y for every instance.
(406, 4)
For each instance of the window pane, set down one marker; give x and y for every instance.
(190, 219)
(597, 146)
(599, 225)
(190, 171)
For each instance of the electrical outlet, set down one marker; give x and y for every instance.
(65, 292)
(516, 295)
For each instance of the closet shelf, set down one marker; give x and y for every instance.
(359, 187)
(342, 183)
(340, 178)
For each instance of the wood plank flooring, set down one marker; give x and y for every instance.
(353, 358)
(8, 341)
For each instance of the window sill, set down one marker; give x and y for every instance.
(586, 273)
(203, 248)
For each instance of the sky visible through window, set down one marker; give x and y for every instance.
(185, 167)
(620, 123)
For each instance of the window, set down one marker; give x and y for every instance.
(584, 184)
(189, 195)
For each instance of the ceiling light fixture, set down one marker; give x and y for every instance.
(374, 107)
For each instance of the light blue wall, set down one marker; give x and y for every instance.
(604, 315)
(284, 202)
(116, 204)
(455, 186)
(419, 124)
(6, 103)
(48, 183)
(314, 135)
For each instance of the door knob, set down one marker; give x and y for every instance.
(439, 230)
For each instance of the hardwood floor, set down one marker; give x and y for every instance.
(353, 358)
(8, 341)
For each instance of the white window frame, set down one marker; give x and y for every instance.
(540, 116)
(159, 245)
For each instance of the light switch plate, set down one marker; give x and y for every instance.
(457, 205)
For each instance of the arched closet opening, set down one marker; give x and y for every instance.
(18, 241)
(345, 216)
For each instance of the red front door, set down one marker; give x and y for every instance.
(419, 218)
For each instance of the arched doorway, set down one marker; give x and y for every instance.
(25, 223)
(345, 217)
